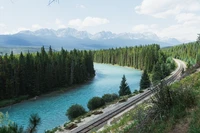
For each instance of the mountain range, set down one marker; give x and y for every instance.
(70, 38)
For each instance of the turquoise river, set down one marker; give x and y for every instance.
(52, 107)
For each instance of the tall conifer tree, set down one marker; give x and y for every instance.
(124, 88)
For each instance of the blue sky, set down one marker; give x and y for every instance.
(167, 18)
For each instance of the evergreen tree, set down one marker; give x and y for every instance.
(34, 122)
(145, 82)
(34, 74)
(157, 73)
(124, 88)
(198, 38)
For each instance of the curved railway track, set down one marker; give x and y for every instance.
(101, 120)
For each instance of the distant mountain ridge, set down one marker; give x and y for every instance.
(70, 38)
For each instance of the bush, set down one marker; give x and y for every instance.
(95, 103)
(175, 100)
(115, 96)
(75, 111)
(136, 92)
(141, 91)
(109, 97)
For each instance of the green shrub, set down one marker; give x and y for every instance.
(109, 97)
(115, 96)
(136, 92)
(95, 103)
(141, 91)
(75, 111)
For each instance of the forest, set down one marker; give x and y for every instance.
(188, 52)
(146, 57)
(33, 74)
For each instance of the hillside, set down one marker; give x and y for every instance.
(188, 52)
(181, 117)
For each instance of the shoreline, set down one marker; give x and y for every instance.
(60, 90)
(120, 66)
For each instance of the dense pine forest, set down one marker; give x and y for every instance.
(42, 72)
(188, 52)
(147, 57)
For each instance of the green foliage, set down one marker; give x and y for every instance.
(157, 73)
(147, 57)
(4, 119)
(162, 68)
(195, 123)
(141, 91)
(33, 74)
(198, 59)
(139, 57)
(198, 38)
(12, 101)
(124, 88)
(144, 82)
(187, 52)
(9, 127)
(109, 97)
(34, 122)
(12, 128)
(95, 102)
(136, 92)
(115, 96)
(75, 111)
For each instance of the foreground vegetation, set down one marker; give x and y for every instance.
(174, 108)
(7, 126)
(35, 74)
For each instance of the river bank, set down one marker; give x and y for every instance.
(10, 102)
(53, 106)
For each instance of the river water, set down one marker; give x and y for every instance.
(52, 108)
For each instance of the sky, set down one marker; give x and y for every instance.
(178, 19)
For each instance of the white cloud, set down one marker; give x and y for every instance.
(75, 23)
(62, 26)
(58, 22)
(21, 29)
(94, 21)
(181, 31)
(186, 31)
(184, 14)
(1, 7)
(87, 22)
(165, 8)
(80, 6)
(3, 28)
(144, 28)
(187, 18)
(36, 26)
(2, 25)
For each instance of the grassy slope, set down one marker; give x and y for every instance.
(179, 121)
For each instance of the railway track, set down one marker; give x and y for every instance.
(110, 114)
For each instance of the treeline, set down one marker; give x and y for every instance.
(188, 52)
(139, 57)
(147, 57)
(38, 73)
